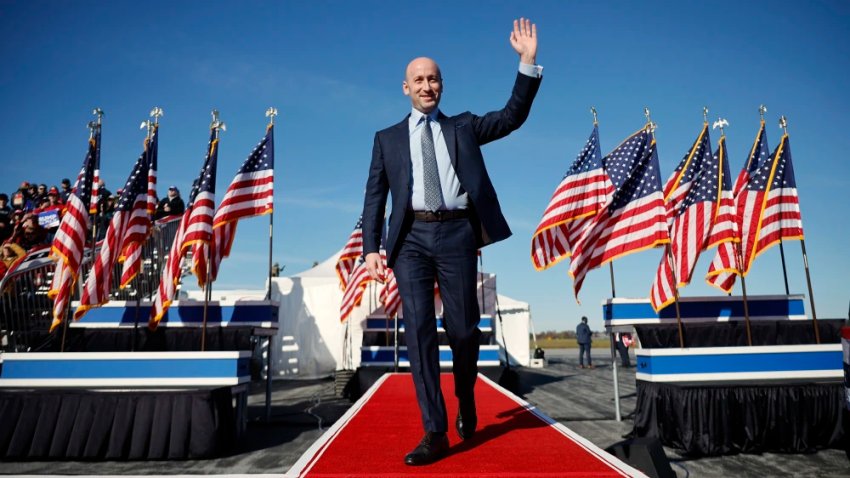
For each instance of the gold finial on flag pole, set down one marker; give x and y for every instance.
(762, 111)
(95, 124)
(595, 120)
(217, 124)
(156, 113)
(720, 123)
(99, 113)
(783, 123)
(649, 124)
(271, 113)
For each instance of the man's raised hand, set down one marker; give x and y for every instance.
(524, 40)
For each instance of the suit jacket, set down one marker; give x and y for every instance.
(464, 135)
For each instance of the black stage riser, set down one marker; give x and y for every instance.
(117, 425)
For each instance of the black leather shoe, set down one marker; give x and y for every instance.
(432, 447)
(466, 422)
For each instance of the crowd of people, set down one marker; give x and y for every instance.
(30, 218)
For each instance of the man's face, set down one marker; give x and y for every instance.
(172, 193)
(423, 83)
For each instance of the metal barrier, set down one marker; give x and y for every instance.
(25, 310)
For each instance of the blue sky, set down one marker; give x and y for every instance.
(334, 71)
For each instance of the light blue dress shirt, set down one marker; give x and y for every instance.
(453, 196)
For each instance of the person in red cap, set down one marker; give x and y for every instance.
(54, 191)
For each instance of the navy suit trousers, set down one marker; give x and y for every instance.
(445, 251)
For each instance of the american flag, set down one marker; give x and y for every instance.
(390, 296)
(682, 179)
(691, 217)
(353, 293)
(725, 265)
(634, 218)
(95, 188)
(130, 223)
(251, 193)
(352, 250)
(153, 159)
(724, 227)
(773, 189)
(69, 242)
(725, 233)
(584, 189)
(199, 228)
(190, 228)
(141, 221)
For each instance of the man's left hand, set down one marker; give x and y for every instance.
(524, 40)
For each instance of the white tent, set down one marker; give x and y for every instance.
(311, 342)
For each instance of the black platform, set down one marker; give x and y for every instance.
(722, 419)
(117, 425)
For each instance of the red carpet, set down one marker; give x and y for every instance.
(512, 439)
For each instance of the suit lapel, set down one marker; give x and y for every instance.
(401, 138)
(447, 125)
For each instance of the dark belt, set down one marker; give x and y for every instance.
(440, 216)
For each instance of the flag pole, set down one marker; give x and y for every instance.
(156, 112)
(652, 126)
(271, 112)
(207, 294)
(811, 294)
(65, 316)
(611, 334)
(744, 296)
(784, 270)
(610, 264)
(762, 111)
(676, 295)
(93, 126)
(218, 126)
(720, 124)
(783, 123)
(96, 125)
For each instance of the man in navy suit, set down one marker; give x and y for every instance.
(444, 208)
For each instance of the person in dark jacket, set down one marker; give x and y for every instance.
(584, 337)
(623, 342)
(5, 218)
(171, 205)
(66, 190)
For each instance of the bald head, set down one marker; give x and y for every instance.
(420, 64)
(423, 83)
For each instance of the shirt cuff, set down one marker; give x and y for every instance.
(534, 71)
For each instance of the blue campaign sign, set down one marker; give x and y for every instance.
(49, 219)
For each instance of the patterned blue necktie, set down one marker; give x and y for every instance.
(430, 173)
